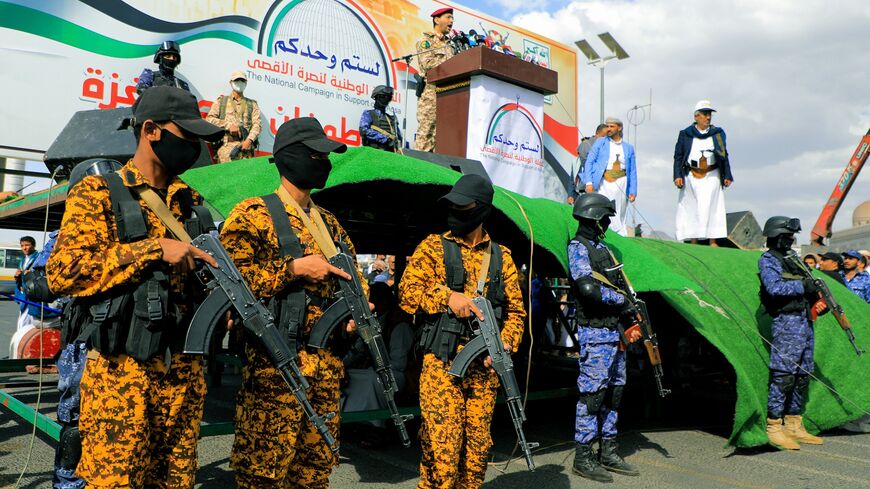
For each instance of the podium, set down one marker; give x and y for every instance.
(453, 83)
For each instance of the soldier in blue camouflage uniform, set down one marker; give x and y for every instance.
(793, 302)
(167, 57)
(600, 311)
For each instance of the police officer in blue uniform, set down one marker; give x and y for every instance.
(602, 311)
(167, 57)
(794, 303)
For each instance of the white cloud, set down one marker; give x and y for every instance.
(789, 79)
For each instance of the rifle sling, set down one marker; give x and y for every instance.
(153, 201)
(314, 223)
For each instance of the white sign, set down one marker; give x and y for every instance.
(505, 133)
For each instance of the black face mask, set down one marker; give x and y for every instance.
(381, 103)
(167, 66)
(177, 155)
(462, 222)
(784, 243)
(592, 229)
(296, 164)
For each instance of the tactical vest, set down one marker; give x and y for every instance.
(289, 307)
(598, 315)
(777, 305)
(140, 320)
(442, 332)
(386, 122)
(161, 80)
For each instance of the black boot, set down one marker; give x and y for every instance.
(611, 460)
(586, 466)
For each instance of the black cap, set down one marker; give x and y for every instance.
(179, 106)
(308, 131)
(469, 188)
(832, 256)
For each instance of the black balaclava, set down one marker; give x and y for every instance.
(176, 154)
(167, 66)
(381, 102)
(593, 230)
(295, 163)
(462, 222)
(782, 243)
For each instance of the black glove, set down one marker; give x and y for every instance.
(628, 312)
(811, 290)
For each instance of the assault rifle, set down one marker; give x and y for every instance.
(228, 290)
(488, 340)
(828, 297)
(650, 340)
(352, 303)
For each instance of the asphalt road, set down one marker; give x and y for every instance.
(681, 450)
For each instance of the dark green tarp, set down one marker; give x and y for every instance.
(715, 289)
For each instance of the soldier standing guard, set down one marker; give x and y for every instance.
(240, 116)
(442, 276)
(793, 302)
(600, 311)
(378, 128)
(167, 57)
(432, 50)
(141, 397)
(272, 244)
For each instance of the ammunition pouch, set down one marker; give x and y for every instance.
(69, 447)
(442, 334)
(778, 305)
(591, 312)
(154, 318)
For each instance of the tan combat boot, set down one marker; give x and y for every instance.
(778, 437)
(794, 427)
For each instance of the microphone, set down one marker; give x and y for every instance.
(472, 38)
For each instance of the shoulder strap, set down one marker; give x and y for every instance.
(288, 242)
(484, 269)
(223, 107)
(250, 110)
(129, 220)
(453, 267)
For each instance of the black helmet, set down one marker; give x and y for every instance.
(93, 166)
(168, 47)
(593, 206)
(777, 225)
(382, 90)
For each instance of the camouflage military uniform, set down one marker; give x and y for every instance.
(139, 422)
(791, 352)
(602, 362)
(236, 113)
(275, 445)
(456, 413)
(440, 52)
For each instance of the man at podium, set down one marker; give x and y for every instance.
(432, 50)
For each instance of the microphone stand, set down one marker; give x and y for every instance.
(407, 59)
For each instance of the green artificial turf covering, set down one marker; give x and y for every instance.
(715, 289)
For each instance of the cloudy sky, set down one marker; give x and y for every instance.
(786, 77)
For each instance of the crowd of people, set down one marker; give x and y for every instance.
(133, 401)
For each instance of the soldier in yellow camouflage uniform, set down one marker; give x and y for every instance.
(139, 418)
(237, 114)
(275, 445)
(455, 434)
(433, 50)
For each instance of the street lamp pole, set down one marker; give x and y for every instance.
(596, 60)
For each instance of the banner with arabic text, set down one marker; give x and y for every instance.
(505, 133)
(318, 58)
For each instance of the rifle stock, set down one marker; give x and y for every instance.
(226, 281)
